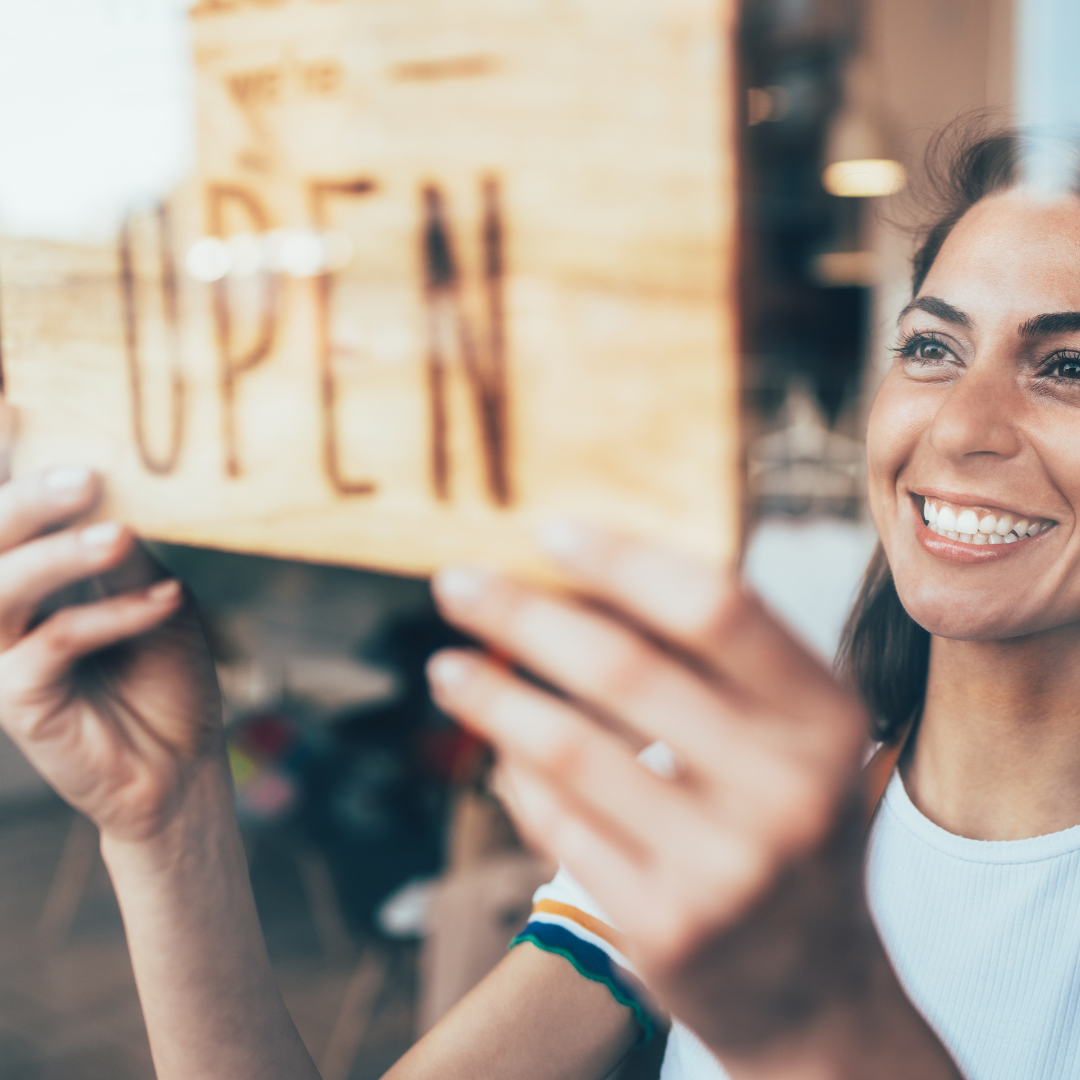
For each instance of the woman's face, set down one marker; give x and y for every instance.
(980, 417)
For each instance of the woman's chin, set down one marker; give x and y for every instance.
(964, 617)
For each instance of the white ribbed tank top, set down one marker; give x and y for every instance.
(984, 936)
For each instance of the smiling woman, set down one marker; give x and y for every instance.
(963, 639)
(1009, 266)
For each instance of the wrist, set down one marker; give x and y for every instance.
(208, 993)
(202, 816)
(877, 1032)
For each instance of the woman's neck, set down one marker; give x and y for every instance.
(997, 755)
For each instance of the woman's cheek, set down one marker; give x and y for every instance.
(896, 422)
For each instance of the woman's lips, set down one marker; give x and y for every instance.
(957, 551)
(953, 549)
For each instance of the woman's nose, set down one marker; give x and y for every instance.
(979, 415)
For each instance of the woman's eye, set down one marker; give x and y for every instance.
(930, 350)
(1066, 369)
(926, 355)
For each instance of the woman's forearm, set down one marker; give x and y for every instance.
(534, 1017)
(213, 1009)
(212, 1006)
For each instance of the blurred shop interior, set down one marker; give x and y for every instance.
(387, 877)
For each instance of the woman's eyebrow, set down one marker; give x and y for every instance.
(932, 305)
(1058, 322)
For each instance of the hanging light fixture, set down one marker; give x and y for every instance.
(859, 162)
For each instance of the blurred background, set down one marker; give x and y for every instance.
(387, 879)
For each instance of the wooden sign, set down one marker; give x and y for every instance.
(447, 268)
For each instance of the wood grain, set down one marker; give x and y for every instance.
(537, 318)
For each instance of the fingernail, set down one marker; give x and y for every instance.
(566, 539)
(102, 534)
(163, 591)
(460, 585)
(66, 481)
(448, 671)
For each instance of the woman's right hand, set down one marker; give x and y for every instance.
(106, 681)
(737, 880)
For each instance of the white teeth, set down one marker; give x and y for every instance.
(965, 525)
(967, 522)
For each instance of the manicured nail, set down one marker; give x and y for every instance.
(67, 481)
(460, 585)
(103, 534)
(163, 591)
(448, 671)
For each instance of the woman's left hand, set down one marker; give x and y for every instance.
(737, 879)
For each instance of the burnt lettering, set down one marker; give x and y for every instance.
(454, 67)
(319, 194)
(449, 329)
(213, 7)
(258, 86)
(268, 85)
(322, 77)
(222, 7)
(129, 292)
(235, 361)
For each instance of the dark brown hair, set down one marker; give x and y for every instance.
(884, 654)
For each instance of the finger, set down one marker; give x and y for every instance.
(32, 571)
(756, 791)
(139, 570)
(594, 658)
(707, 612)
(45, 656)
(31, 505)
(558, 831)
(590, 766)
(662, 904)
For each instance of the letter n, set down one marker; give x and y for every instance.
(449, 329)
